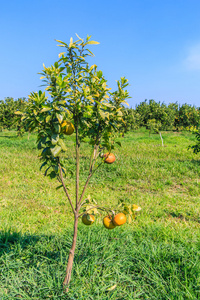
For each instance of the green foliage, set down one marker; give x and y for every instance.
(132, 119)
(8, 118)
(159, 112)
(153, 125)
(79, 94)
(196, 147)
(188, 116)
(170, 116)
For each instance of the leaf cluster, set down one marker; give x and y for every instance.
(77, 93)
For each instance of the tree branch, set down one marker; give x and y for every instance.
(88, 179)
(65, 189)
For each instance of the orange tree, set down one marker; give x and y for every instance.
(82, 104)
(8, 118)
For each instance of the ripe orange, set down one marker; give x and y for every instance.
(109, 158)
(108, 222)
(88, 219)
(67, 127)
(119, 219)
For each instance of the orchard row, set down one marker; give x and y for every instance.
(155, 116)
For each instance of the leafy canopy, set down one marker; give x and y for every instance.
(78, 94)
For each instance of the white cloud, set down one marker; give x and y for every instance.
(192, 61)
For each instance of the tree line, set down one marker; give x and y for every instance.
(163, 117)
(153, 115)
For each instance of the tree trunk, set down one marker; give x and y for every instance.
(71, 256)
(161, 138)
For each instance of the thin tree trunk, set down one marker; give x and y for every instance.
(161, 138)
(76, 212)
(71, 256)
(77, 172)
(77, 162)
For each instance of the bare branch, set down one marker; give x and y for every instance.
(88, 179)
(65, 189)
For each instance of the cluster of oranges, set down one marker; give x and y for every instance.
(109, 221)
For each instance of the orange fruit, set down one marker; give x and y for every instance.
(108, 222)
(88, 219)
(119, 219)
(109, 158)
(67, 127)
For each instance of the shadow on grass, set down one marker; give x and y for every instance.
(189, 161)
(33, 266)
(195, 162)
(47, 246)
(8, 239)
(8, 136)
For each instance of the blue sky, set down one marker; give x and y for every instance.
(153, 43)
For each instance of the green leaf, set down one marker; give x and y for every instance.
(119, 113)
(45, 173)
(79, 37)
(91, 54)
(93, 43)
(104, 85)
(58, 187)
(61, 54)
(99, 74)
(48, 118)
(56, 127)
(92, 67)
(62, 102)
(71, 42)
(42, 165)
(118, 143)
(135, 207)
(18, 113)
(54, 139)
(61, 43)
(45, 108)
(56, 150)
(62, 144)
(59, 117)
(108, 104)
(102, 114)
(91, 210)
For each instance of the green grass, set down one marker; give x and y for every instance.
(156, 257)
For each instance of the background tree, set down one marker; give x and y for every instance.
(153, 110)
(8, 107)
(155, 126)
(132, 119)
(188, 116)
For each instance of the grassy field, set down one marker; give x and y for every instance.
(156, 257)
